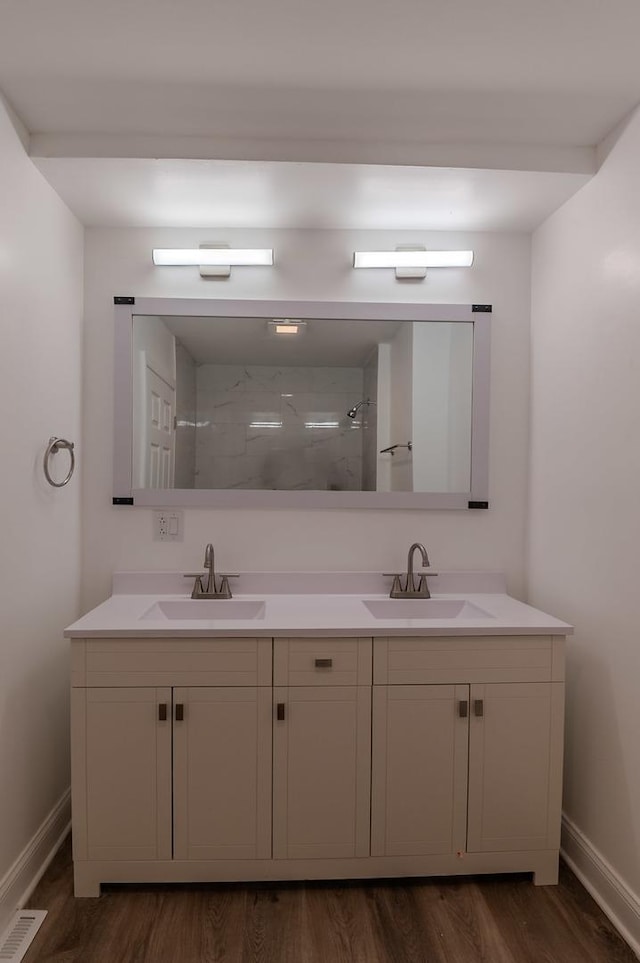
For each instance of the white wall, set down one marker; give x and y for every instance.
(585, 483)
(41, 310)
(312, 265)
(185, 418)
(369, 422)
(460, 406)
(401, 409)
(442, 361)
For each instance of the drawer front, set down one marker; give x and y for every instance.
(154, 662)
(460, 659)
(339, 661)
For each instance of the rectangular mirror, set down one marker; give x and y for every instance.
(301, 404)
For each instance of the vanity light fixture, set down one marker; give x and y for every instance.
(287, 327)
(411, 261)
(214, 260)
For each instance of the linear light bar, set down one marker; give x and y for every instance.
(410, 259)
(286, 326)
(216, 257)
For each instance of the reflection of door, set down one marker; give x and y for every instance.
(160, 433)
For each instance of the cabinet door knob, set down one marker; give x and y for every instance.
(179, 712)
(323, 663)
(463, 708)
(162, 711)
(280, 711)
(478, 707)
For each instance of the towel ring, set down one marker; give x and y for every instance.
(54, 446)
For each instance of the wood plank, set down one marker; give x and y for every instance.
(495, 919)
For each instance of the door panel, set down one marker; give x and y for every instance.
(222, 773)
(128, 761)
(419, 778)
(160, 404)
(322, 767)
(513, 766)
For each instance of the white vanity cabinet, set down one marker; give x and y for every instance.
(466, 761)
(321, 748)
(301, 758)
(170, 772)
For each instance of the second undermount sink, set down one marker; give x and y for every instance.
(424, 609)
(206, 609)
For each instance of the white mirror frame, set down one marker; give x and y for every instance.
(128, 307)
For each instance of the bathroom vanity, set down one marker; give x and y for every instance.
(313, 728)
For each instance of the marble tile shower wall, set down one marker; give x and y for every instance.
(264, 427)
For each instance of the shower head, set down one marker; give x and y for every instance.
(352, 412)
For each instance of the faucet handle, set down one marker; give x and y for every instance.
(225, 589)
(197, 590)
(396, 588)
(422, 588)
(193, 574)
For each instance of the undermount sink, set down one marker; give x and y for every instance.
(424, 609)
(206, 609)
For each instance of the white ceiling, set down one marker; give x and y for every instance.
(247, 341)
(271, 194)
(119, 96)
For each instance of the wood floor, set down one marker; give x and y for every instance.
(497, 919)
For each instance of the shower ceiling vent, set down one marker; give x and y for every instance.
(18, 937)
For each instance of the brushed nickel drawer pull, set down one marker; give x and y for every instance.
(179, 712)
(478, 707)
(324, 663)
(280, 711)
(463, 708)
(162, 712)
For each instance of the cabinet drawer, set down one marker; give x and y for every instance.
(154, 662)
(459, 659)
(338, 661)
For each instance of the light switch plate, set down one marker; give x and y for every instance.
(168, 526)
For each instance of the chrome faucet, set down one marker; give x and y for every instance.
(210, 590)
(410, 590)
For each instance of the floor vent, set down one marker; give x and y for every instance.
(20, 934)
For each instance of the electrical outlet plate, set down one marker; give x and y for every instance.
(167, 526)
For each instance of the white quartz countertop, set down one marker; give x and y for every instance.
(158, 604)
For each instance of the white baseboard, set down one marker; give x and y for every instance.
(22, 878)
(609, 890)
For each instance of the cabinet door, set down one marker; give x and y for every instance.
(322, 766)
(222, 773)
(122, 773)
(419, 769)
(515, 762)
